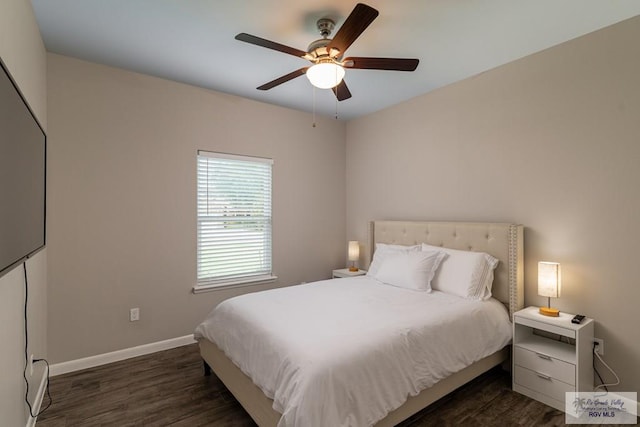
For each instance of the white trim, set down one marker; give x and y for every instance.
(628, 402)
(116, 356)
(37, 403)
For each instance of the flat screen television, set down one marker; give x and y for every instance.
(23, 147)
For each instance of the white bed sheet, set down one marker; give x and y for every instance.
(346, 352)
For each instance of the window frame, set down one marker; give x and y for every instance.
(210, 284)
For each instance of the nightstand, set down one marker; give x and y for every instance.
(344, 272)
(551, 356)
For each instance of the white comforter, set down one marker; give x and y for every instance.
(346, 352)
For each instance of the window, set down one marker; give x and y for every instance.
(234, 220)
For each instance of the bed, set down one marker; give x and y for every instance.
(502, 241)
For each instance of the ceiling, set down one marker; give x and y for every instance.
(192, 41)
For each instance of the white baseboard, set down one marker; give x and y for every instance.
(116, 356)
(629, 403)
(37, 403)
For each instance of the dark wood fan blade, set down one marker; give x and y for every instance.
(283, 79)
(341, 91)
(395, 64)
(358, 21)
(270, 45)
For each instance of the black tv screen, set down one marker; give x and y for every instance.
(22, 177)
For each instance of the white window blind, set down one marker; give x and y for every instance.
(234, 219)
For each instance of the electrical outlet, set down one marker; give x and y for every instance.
(600, 346)
(134, 314)
(31, 365)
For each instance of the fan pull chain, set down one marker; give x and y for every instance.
(314, 106)
(336, 70)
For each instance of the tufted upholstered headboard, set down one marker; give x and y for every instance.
(501, 240)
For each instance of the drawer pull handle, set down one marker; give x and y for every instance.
(543, 356)
(544, 377)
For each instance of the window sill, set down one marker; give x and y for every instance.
(240, 283)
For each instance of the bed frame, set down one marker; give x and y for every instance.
(503, 241)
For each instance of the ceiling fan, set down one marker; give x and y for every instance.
(327, 55)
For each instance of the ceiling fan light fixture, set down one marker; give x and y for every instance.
(325, 75)
(326, 54)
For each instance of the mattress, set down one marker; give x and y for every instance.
(346, 352)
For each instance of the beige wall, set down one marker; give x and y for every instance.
(551, 141)
(22, 51)
(122, 196)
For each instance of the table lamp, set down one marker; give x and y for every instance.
(549, 283)
(354, 254)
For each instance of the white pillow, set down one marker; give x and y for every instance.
(383, 250)
(411, 270)
(463, 273)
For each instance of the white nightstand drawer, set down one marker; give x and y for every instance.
(540, 383)
(557, 369)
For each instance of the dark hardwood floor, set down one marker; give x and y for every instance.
(168, 388)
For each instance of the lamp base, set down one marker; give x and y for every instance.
(353, 269)
(551, 312)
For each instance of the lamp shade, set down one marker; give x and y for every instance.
(549, 279)
(325, 75)
(354, 250)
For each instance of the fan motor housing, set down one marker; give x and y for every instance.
(318, 50)
(318, 44)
